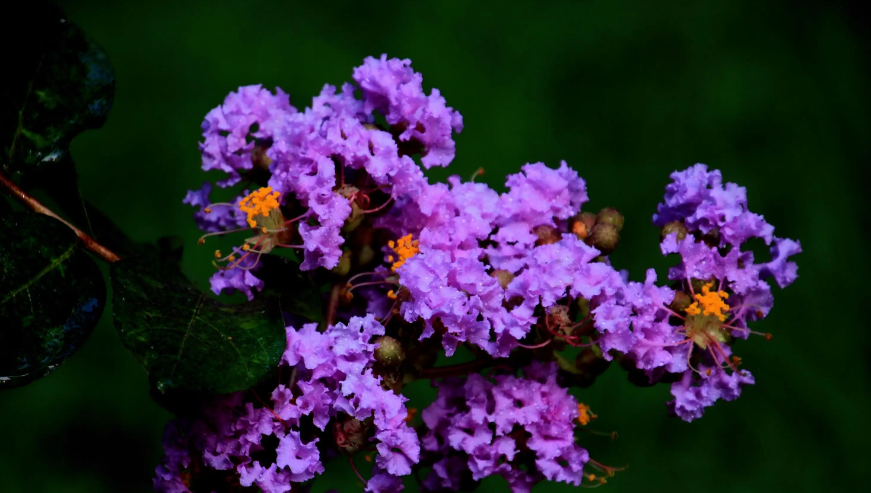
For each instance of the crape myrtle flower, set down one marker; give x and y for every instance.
(394, 89)
(334, 381)
(408, 269)
(488, 295)
(231, 131)
(314, 156)
(720, 289)
(478, 427)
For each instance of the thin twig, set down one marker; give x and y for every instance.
(90, 243)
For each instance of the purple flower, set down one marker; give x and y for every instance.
(251, 111)
(220, 217)
(481, 421)
(301, 459)
(237, 278)
(696, 391)
(698, 197)
(395, 90)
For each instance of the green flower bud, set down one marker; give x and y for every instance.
(344, 265)
(610, 215)
(674, 227)
(389, 352)
(604, 237)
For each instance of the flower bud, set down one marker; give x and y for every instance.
(674, 227)
(604, 237)
(610, 215)
(546, 235)
(344, 265)
(354, 218)
(503, 276)
(582, 223)
(389, 352)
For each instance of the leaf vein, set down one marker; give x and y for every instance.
(53, 265)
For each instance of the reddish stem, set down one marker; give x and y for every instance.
(90, 243)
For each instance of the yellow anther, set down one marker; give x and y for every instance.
(260, 202)
(412, 412)
(391, 295)
(710, 303)
(246, 247)
(207, 210)
(405, 248)
(584, 414)
(591, 477)
(231, 258)
(264, 230)
(217, 254)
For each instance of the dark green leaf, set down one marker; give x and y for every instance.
(51, 296)
(185, 339)
(57, 83)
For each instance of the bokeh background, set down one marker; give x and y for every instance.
(775, 94)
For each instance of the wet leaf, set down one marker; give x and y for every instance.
(51, 296)
(185, 339)
(57, 83)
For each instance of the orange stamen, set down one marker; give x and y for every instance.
(709, 302)
(405, 248)
(260, 202)
(584, 414)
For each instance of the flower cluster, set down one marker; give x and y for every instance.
(412, 271)
(332, 380)
(477, 428)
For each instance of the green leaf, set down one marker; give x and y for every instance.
(58, 83)
(51, 296)
(185, 339)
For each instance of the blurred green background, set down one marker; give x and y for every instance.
(774, 93)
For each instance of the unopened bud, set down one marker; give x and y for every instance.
(546, 235)
(503, 276)
(610, 215)
(674, 227)
(582, 223)
(354, 218)
(389, 352)
(259, 158)
(604, 237)
(344, 265)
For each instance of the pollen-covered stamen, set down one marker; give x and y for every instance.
(260, 203)
(585, 415)
(404, 248)
(710, 303)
